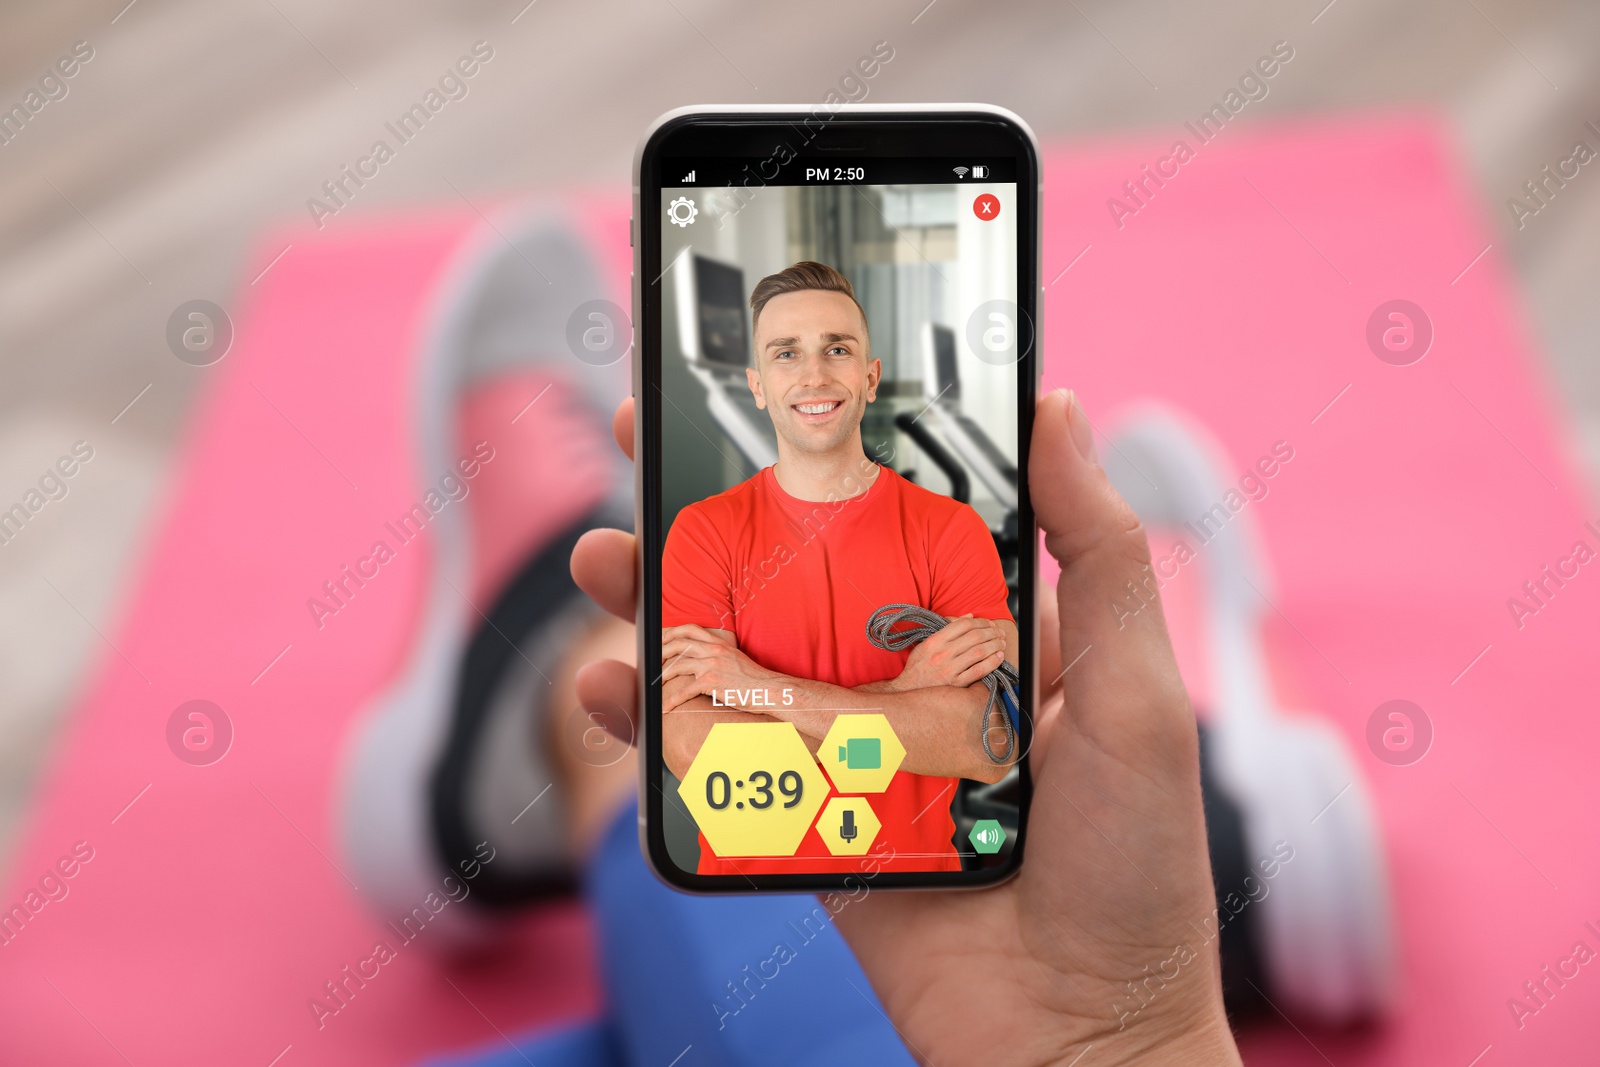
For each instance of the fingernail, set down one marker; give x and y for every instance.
(1082, 432)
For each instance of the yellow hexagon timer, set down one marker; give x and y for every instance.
(861, 753)
(754, 788)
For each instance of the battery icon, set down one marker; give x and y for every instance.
(980, 172)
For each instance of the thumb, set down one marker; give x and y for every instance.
(1120, 679)
(609, 690)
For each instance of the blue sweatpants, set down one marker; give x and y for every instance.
(709, 981)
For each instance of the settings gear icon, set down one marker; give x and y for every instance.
(682, 211)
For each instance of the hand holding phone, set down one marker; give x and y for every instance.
(1107, 938)
(836, 372)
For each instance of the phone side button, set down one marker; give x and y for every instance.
(630, 231)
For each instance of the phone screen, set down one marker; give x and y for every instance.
(840, 550)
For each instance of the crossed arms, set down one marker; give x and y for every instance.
(935, 705)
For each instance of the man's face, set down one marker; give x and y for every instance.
(814, 371)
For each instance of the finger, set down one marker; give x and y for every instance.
(986, 653)
(977, 671)
(688, 629)
(686, 663)
(970, 669)
(993, 649)
(603, 567)
(1044, 724)
(990, 637)
(622, 427)
(976, 643)
(1050, 664)
(1124, 686)
(953, 629)
(611, 683)
(689, 646)
(678, 667)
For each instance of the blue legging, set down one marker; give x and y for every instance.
(709, 981)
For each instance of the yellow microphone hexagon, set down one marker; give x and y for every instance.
(861, 753)
(754, 788)
(848, 826)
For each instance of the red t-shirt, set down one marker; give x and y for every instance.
(795, 581)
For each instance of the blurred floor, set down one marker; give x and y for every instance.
(195, 124)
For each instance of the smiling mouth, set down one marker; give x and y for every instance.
(818, 409)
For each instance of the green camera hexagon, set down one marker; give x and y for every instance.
(861, 753)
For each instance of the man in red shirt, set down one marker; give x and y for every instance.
(767, 587)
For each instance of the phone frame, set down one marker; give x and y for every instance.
(873, 129)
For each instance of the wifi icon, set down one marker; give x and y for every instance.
(961, 172)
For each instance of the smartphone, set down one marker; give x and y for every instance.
(837, 365)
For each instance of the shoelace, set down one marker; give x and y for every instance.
(1001, 682)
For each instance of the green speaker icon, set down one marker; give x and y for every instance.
(987, 836)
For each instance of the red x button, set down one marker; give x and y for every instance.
(986, 206)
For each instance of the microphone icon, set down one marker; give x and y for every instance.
(847, 831)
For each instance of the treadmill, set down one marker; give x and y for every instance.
(715, 341)
(945, 423)
(941, 386)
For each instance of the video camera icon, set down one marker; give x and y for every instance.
(862, 753)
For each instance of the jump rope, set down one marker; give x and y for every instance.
(1001, 682)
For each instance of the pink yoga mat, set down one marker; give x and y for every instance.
(213, 909)
(1419, 500)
